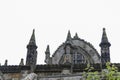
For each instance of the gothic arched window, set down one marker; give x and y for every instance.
(78, 58)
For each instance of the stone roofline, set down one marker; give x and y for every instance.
(54, 68)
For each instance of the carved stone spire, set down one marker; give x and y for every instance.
(6, 62)
(104, 39)
(22, 62)
(47, 50)
(68, 39)
(32, 39)
(47, 55)
(76, 36)
(31, 58)
(68, 36)
(105, 51)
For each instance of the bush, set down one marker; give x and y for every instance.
(110, 73)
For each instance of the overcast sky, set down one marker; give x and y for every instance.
(51, 20)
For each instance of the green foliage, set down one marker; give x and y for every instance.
(90, 75)
(110, 73)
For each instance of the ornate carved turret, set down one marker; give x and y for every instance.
(105, 51)
(31, 58)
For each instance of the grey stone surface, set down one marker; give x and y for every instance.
(83, 47)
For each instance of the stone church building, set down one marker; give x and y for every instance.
(66, 63)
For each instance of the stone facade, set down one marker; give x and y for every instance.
(74, 51)
(67, 63)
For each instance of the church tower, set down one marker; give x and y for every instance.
(105, 48)
(31, 58)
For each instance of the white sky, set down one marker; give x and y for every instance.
(52, 19)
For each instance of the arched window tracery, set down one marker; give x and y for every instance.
(78, 58)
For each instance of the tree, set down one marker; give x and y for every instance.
(110, 73)
(88, 75)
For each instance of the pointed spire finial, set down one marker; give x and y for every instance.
(103, 29)
(47, 55)
(47, 49)
(6, 62)
(104, 36)
(21, 62)
(69, 39)
(32, 39)
(68, 36)
(76, 36)
(104, 39)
